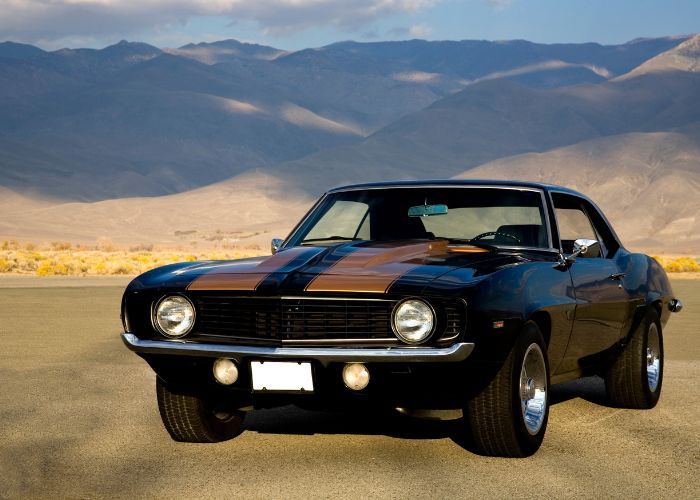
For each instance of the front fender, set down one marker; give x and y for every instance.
(501, 305)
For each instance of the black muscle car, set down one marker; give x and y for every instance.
(444, 295)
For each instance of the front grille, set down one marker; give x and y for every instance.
(454, 314)
(294, 319)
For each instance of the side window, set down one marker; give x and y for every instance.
(574, 223)
(347, 219)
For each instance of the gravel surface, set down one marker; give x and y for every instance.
(79, 419)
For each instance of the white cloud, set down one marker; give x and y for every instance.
(416, 31)
(500, 4)
(60, 19)
(420, 31)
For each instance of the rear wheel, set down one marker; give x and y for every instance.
(509, 417)
(194, 419)
(634, 379)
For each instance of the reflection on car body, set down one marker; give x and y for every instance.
(440, 295)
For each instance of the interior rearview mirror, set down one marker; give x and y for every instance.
(275, 245)
(427, 210)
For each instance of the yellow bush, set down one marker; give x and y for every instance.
(679, 264)
(52, 268)
(61, 258)
(6, 266)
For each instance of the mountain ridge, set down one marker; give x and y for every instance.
(244, 144)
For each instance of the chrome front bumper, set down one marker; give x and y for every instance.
(454, 353)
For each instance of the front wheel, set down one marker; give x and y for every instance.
(509, 417)
(194, 419)
(634, 379)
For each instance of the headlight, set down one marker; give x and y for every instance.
(174, 316)
(413, 321)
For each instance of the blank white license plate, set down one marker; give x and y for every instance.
(281, 376)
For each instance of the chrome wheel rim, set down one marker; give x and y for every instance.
(653, 357)
(533, 389)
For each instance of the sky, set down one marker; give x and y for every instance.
(296, 24)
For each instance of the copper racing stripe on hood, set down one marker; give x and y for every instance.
(373, 269)
(246, 276)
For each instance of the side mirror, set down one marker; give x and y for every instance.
(582, 247)
(275, 245)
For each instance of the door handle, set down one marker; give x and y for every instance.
(618, 276)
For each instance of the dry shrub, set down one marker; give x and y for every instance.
(143, 247)
(62, 259)
(61, 245)
(6, 265)
(105, 244)
(9, 245)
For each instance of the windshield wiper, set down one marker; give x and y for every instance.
(331, 238)
(474, 243)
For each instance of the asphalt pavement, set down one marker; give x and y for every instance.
(78, 418)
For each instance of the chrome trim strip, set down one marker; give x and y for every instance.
(437, 184)
(454, 353)
(312, 297)
(384, 341)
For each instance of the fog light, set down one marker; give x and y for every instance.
(225, 371)
(355, 376)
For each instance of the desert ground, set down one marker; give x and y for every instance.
(79, 419)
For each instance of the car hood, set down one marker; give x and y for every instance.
(401, 267)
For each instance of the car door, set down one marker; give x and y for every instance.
(602, 302)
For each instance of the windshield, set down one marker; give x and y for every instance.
(476, 215)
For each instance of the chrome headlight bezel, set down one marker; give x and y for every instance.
(155, 317)
(403, 336)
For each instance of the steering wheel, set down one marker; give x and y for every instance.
(497, 233)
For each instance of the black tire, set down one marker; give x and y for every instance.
(629, 379)
(495, 417)
(191, 419)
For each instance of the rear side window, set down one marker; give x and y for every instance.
(577, 218)
(573, 224)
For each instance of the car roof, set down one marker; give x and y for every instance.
(458, 183)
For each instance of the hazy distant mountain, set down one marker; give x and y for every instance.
(683, 57)
(131, 120)
(251, 208)
(83, 64)
(12, 50)
(165, 125)
(471, 60)
(498, 118)
(226, 50)
(648, 184)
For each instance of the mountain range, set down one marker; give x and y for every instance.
(241, 137)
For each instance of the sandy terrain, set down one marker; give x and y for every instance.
(79, 419)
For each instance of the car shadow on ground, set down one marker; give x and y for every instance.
(591, 389)
(293, 420)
